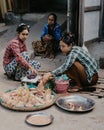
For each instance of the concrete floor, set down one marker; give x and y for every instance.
(14, 120)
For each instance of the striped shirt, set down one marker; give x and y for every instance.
(78, 54)
(14, 50)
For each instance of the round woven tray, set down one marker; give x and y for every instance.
(34, 108)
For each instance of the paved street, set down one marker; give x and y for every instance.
(14, 120)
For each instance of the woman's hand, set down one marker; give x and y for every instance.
(46, 77)
(40, 85)
(33, 70)
(47, 37)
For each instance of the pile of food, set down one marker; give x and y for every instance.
(24, 98)
(75, 106)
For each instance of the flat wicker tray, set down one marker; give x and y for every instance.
(35, 108)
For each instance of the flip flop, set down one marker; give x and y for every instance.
(73, 90)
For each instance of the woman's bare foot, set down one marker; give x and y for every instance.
(46, 55)
(52, 56)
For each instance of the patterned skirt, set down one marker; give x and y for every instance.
(16, 71)
(41, 48)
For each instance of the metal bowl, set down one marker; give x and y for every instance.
(75, 103)
(39, 119)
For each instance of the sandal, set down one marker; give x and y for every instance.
(74, 89)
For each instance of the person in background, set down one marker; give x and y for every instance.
(16, 60)
(50, 37)
(79, 66)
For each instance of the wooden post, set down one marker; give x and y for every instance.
(68, 15)
(3, 8)
(10, 5)
(81, 23)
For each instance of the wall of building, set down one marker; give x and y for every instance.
(39, 5)
(47, 5)
(91, 20)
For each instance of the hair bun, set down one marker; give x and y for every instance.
(23, 24)
(68, 38)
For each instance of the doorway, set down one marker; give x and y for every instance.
(20, 6)
(74, 18)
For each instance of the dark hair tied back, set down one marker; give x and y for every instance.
(68, 38)
(22, 27)
(54, 15)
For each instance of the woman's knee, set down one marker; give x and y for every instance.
(36, 64)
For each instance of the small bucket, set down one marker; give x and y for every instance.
(61, 86)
